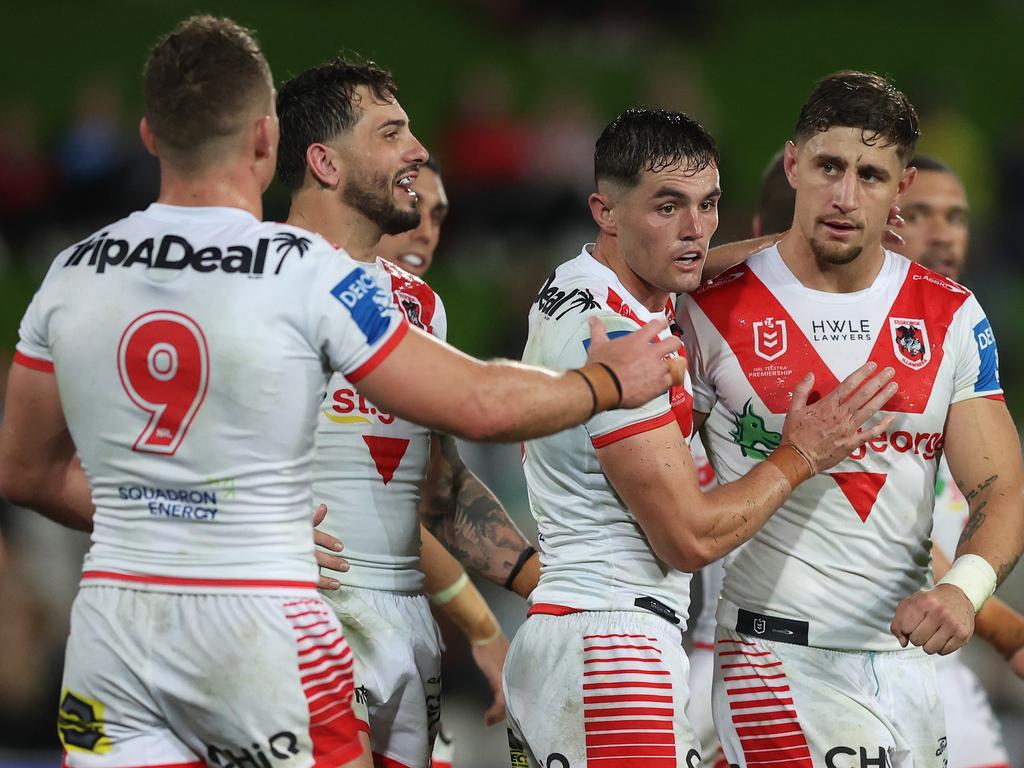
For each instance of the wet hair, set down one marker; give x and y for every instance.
(861, 100)
(320, 104)
(778, 199)
(641, 140)
(200, 83)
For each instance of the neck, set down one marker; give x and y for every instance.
(321, 210)
(606, 251)
(820, 275)
(227, 187)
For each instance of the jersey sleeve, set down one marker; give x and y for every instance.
(704, 396)
(976, 372)
(33, 347)
(611, 426)
(354, 323)
(440, 323)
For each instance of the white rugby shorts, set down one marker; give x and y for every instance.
(189, 680)
(975, 740)
(698, 712)
(397, 650)
(781, 704)
(598, 689)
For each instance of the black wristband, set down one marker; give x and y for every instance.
(593, 393)
(615, 379)
(525, 555)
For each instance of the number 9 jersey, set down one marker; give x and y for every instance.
(191, 346)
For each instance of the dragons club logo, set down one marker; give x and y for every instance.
(770, 338)
(910, 342)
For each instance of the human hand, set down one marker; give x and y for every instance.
(637, 361)
(939, 620)
(326, 559)
(826, 432)
(490, 659)
(891, 237)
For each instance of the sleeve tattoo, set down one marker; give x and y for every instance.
(466, 516)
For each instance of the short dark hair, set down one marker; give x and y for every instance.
(641, 140)
(927, 163)
(199, 82)
(861, 100)
(778, 198)
(321, 104)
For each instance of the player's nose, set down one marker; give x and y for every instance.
(845, 192)
(415, 152)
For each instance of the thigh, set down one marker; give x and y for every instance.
(798, 706)
(107, 715)
(600, 688)
(702, 670)
(256, 680)
(972, 730)
(398, 671)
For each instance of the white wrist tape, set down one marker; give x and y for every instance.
(975, 577)
(450, 592)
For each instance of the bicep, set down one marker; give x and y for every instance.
(34, 437)
(654, 474)
(982, 446)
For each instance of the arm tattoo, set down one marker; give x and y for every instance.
(1005, 570)
(466, 516)
(977, 500)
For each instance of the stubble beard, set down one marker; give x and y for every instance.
(373, 198)
(835, 254)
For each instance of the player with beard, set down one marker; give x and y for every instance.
(936, 235)
(177, 353)
(346, 150)
(817, 645)
(597, 674)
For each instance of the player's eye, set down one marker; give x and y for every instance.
(958, 218)
(868, 176)
(667, 209)
(828, 169)
(709, 205)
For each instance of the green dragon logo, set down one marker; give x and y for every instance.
(750, 432)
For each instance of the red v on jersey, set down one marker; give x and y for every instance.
(387, 454)
(775, 354)
(861, 490)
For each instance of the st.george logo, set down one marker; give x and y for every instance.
(770, 338)
(910, 342)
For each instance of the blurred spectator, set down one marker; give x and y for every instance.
(27, 177)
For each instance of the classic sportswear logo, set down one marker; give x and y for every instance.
(754, 439)
(366, 302)
(770, 338)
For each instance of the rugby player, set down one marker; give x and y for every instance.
(340, 167)
(814, 615)
(597, 674)
(171, 349)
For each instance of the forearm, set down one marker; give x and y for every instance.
(451, 590)
(62, 494)
(462, 512)
(732, 513)
(721, 257)
(995, 528)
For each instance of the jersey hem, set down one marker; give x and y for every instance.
(142, 581)
(638, 428)
(35, 363)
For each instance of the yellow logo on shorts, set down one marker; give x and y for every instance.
(80, 724)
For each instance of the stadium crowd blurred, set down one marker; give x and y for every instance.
(514, 133)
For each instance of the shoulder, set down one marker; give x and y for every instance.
(418, 301)
(732, 282)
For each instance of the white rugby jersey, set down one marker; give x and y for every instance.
(189, 345)
(369, 465)
(594, 555)
(712, 574)
(848, 544)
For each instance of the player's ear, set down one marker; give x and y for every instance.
(146, 134)
(324, 164)
(265, 137)
(906, 179)
(602, 209)
(789, 163)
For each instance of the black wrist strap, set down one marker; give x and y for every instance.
(525, 555)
